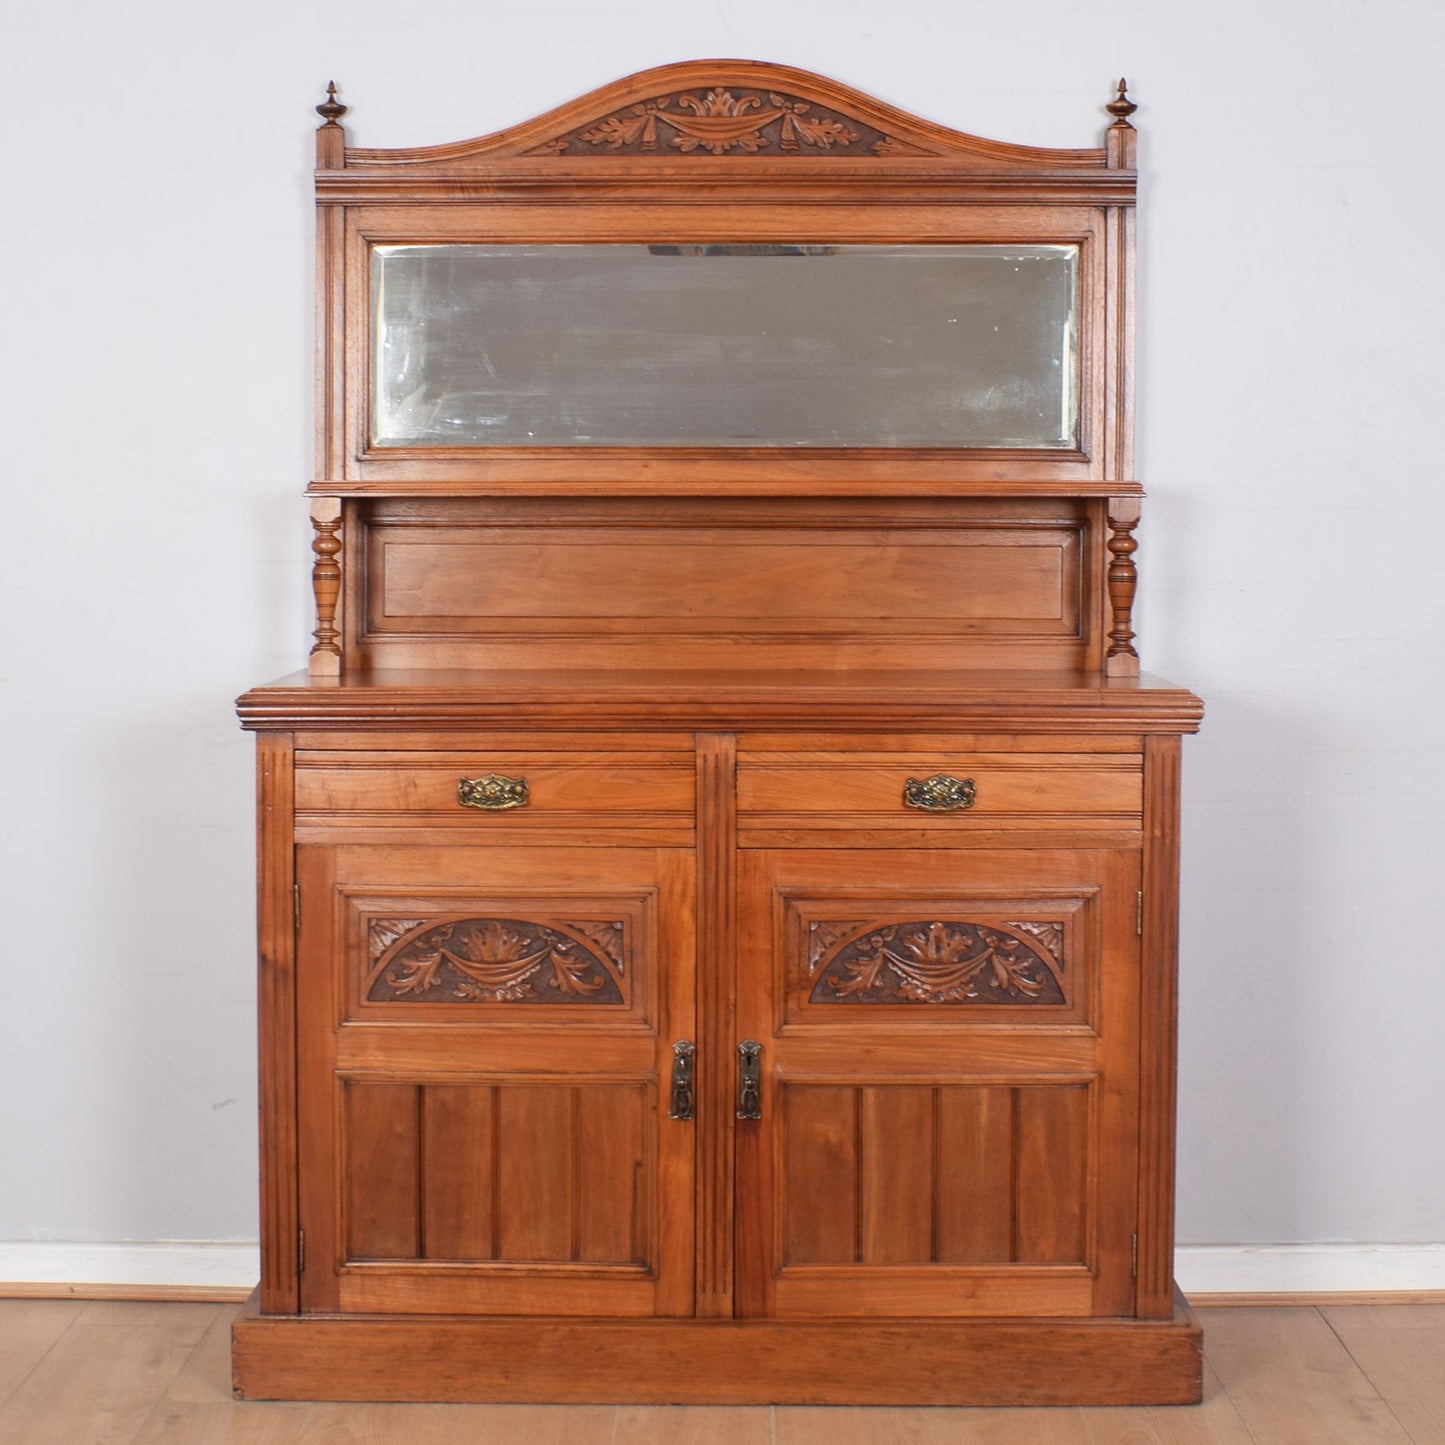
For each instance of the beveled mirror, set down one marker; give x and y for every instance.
(725, 345)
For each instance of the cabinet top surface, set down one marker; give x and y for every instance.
(738, 698)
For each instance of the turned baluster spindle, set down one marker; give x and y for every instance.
(326, 578)
(1123, 581)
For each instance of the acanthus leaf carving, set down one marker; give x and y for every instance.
(495, 960)
(1049, 936)
(726, 120)
(933, 962)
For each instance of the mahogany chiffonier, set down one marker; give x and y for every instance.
(718, 872)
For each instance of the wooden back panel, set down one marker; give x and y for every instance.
(707, 583)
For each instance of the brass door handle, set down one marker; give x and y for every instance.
(750, 1097)
(493, 793)
(942, 793)
(682, 1056)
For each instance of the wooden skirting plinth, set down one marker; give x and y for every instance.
(722, 1362)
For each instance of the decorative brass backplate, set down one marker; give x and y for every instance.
(941, 793)
(682, 1056)
(750, 1096)
(493, 793)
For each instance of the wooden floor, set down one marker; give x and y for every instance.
(78, 1373)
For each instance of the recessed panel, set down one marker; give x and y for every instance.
(899, 960)
(706, 580)
(935, 1174)
(512, 960)
(498, 1172)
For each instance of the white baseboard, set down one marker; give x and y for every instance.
(173, 1263)
(1200, 1269)
(1309, 1268)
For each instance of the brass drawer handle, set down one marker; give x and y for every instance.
(750, 1098)
(682, 1054)
(941, 793)
(493, 793)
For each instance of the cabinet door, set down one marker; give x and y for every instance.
(485, 1046)
(949, 1082)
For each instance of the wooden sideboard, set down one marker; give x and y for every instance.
(718, 873)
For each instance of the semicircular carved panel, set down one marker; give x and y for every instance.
(496, 960)
(937, 961)
(727, 120)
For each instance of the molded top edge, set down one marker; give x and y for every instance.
(702, 111)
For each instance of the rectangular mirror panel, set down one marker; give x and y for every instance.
(725, 345)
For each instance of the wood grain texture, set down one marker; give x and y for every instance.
(1037, 1361)
(821, 1146)
(459, 1201)
(488, 584)
(1050, 1197)
(28, 1332)
(1159, 1026)
(103, 1377)
(383, 1154)
(697, 1425)
(975, 1200)
(536, 1148)
(276, 1018)
(1401, 1349)
(196, 1406)
(1214, 1421)
(1295, 1383)
(896, 1136)
(717, 667)
(717, 1022)
(900, 1140)
(937, 1426)
(939, 700)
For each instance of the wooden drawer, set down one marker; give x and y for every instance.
(867, 789)
(551, 788)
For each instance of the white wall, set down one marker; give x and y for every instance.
(156, 421)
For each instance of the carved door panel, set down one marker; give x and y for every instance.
(485, 1046)
(948, 1082)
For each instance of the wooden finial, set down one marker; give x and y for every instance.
(331, 110)
(1121, 107)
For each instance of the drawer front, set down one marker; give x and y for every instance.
(504, 787)
(938, 787)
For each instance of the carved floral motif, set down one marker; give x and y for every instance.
(949, 961)
(726, 120)
(496, 960)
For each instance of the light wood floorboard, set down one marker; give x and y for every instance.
(1215, 1422)
(1402, 1351)
(695, 1425)
(111, 1373)
(1293, 1382)
(29, 1330)
(799, 1425)
(105, 1375)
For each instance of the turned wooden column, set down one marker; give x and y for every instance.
(1123, 579)
(325, 657)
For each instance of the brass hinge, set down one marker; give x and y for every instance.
(1138, 913)
(300, 1250)
(296, 906)
(1134, 1256)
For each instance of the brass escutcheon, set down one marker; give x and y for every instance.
(682, 1056)
(941, 793)
(493, 793)
(750, 1098)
